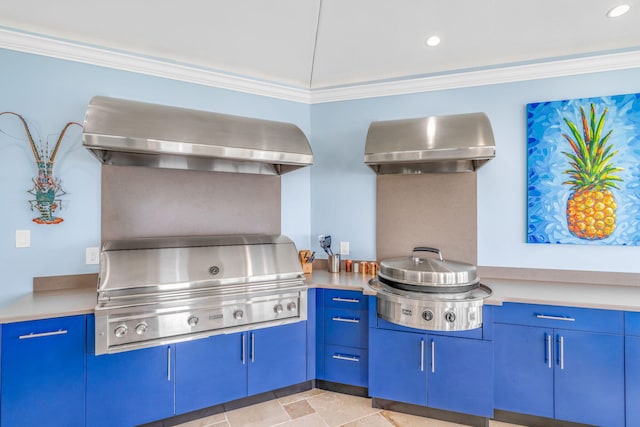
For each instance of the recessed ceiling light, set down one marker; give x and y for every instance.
(618, 11)
(432, 41)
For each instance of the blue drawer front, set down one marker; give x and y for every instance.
(549, 316)
(346, 327)
(346, 365)
(632, 323)
(350, 300)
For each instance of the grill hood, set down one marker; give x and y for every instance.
(130, 133)
(453, 143)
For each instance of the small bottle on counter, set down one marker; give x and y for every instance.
(356, 267)
(373, 268)
(364, 267)
(348, 267)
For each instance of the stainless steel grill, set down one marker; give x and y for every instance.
(163, 290)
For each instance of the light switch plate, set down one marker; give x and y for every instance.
(23, 238)
(92, 255)
(344, 248)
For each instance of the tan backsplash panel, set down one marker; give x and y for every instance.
(151, 202)
(437, 210)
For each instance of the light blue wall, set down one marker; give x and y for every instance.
(343, 188)
(49, 93)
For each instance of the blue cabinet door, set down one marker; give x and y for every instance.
(130, 388)
(523, 365)
(589, 378)
(43, 372)
(210, 371)
(632, 373)
(277, 357)
(397, 366)
(460, 375)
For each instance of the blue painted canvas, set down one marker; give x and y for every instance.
(583, 171)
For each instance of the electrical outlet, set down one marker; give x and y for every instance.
(92, 255)
(344, 248)
(23, 238)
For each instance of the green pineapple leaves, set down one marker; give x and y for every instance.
(590, 161)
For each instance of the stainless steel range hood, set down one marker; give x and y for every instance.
(130, 133)
(453, 143)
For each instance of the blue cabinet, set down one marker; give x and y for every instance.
(43, 372)
(130, 388)
(565, 373)
(632, 368)
(431, 370)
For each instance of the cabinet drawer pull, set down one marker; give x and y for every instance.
(549, 317)
(253, 347)
(242, 349)
(421, 355)
(433, 356)
(346, 357)
(43, 334)
(561, 355)
(168, 363)
(547, 339)
(345, 319)
(345, 299)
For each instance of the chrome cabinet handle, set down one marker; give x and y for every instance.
(550, 317)
(547, 338)
(421, 354)
(43, 334)
(433, 356)
(345, 319)
(346, 357)
(242, 348)
(561, 342)
(345, 299)
(253, 346)
(168, 363)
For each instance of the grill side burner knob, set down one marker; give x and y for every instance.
(278, 308)
(120, 331)
(427, 315)
(291, 306)
(450, 316)
(141, 328)
(193, 320)
(238, 314)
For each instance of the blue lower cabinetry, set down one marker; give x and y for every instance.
(43, 372)
(632, 368)
(431, 370)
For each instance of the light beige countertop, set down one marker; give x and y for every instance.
(45, 304)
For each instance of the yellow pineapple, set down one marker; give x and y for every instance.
(591, 208)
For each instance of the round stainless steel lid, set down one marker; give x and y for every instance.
(428, 272)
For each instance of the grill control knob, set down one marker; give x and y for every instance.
(238, 314)
(291, 306)
(450, 316)
(278, 308)
(141, 328)
(193, 320)
(121, 330)
(427, 315)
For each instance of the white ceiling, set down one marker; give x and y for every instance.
(320, 44)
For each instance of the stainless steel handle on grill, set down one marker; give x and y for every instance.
(547, 339)
(43, 334)
(168, 363)
(253, 347)
(561, 345)
(346, 357)
(421, 354)
(429, 249)
(433, 356)
(242, 348)
(346, 319)
(550, 317)
(345, 299)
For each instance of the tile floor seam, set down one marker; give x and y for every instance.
(362, 417)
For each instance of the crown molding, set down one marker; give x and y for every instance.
(39, 45)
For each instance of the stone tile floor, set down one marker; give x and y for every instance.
(320, 408)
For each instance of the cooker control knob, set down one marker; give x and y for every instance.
(427, 315)
(450, 316)
(278, 308)
(238, 314)
(141, 328)
(120, 331)
(193, 320)
(291, 306)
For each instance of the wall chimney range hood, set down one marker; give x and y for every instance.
(131, 133)
(435, 144)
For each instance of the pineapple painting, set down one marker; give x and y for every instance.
(583, 171)
(591, 208)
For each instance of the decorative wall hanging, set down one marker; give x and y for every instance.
(47, 189)
(583, 176)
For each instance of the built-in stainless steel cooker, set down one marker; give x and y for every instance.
(163, 290)
(429, 293)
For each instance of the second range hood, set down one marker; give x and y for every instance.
(130, 133)
(453, 143)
